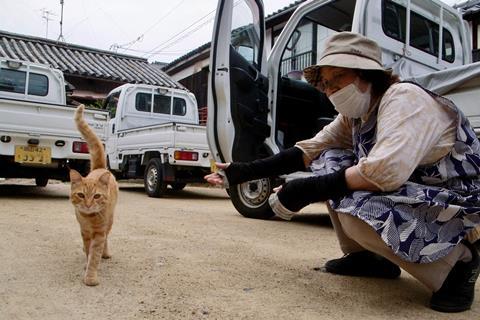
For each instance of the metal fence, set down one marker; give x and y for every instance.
(296, 62)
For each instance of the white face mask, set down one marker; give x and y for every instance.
(350, 101)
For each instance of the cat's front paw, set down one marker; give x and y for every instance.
(91, 281)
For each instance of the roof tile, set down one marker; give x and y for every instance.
(84, 61)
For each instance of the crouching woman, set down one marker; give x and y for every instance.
(400, 169)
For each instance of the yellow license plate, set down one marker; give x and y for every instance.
(31, 154)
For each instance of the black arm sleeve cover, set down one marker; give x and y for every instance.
(287, 161)
(299, 193)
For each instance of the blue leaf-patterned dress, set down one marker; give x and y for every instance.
(432, 212)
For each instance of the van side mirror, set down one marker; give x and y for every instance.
(294, 40)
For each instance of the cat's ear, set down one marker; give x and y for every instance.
(75, 177)
(105, 178)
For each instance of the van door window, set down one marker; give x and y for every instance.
(302, 110)
(423, 31)
(245, 35)
(308, 37)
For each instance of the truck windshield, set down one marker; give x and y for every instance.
(311, 32)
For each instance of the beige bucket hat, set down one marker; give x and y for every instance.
(347, 50)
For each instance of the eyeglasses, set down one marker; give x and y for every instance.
(331, 84)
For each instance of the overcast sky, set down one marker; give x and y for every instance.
(160, 30)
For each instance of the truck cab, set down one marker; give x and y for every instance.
(259, 106)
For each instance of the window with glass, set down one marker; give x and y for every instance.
(246, 33)
(112, 103)
(179, 106)
(143, 102)
(162, 104)
(309, 35)
(14, 81)
(38, 84)
(424, 33)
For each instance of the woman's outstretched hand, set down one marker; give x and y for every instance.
(217, 178)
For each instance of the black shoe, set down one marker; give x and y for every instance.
(457, 291)
(363, 264)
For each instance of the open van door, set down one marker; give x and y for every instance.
(237, 122)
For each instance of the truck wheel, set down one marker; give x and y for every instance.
(41, 182)
(153, 179)
(251, 198)
(177, 186)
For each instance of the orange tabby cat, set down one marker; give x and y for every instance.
(94, 198)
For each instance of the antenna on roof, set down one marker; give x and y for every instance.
(46, 15)
(60, 37)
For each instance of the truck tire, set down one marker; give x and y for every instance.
(177, 186)
(251, 198)
(153, 179)
(41, 182)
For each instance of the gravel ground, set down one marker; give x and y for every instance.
(186, 256)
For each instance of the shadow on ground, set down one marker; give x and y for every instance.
(187, 193)
(21, 191)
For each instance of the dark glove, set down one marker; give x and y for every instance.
(299, 193)
(287, 161)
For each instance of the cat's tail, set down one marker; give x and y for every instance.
(95, 146)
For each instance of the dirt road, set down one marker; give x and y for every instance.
(186, 256)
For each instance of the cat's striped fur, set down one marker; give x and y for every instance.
(94, 198)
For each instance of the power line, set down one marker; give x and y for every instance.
(177, 40)
(125, 46)
(181, 33)
(159, 20)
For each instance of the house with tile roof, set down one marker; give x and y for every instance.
(91, 72)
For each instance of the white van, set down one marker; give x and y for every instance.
(255, 109)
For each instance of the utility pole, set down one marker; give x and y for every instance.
(60, 37)
(46, 15)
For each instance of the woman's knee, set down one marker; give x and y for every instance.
(349, 224)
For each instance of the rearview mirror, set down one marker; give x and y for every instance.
(294, 40)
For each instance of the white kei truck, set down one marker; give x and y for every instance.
(154, 134)
(150, 133)
(258, 106)
(38, 138)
